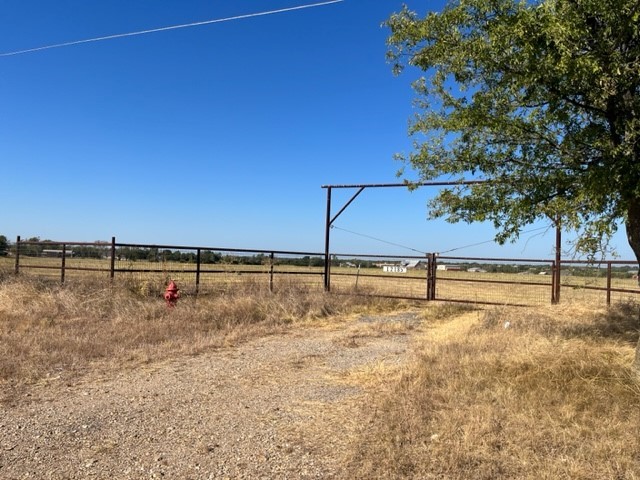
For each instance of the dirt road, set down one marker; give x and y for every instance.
(284, 406)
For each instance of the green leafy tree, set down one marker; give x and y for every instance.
(541, 99)
(32, 250)
(207, 256)
(4, 246)
(153, 255)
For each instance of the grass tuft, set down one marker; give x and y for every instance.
(49, 331)
(550, 394)
(446, 311)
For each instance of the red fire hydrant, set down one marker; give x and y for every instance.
(171, 294)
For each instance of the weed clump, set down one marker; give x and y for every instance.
(49, 330)
(545, 393)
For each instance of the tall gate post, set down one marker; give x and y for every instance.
(327, 262)
(328, 224)
(431, 276)
(558, 264)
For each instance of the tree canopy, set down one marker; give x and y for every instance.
(4, 246)
(541, 99)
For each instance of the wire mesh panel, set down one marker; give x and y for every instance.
(380, 275)
(611, 281)
(40, 267)
(7, 265)
(63, 260)
(149, 268)
(235, 273)
(217, 270)
(624, 284)
(494, 281)
(295, 271)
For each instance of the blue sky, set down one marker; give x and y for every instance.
(218, 135)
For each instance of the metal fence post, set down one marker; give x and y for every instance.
(553, 283)
(17, 269)
(434, 276)
(558, 281)
(271, 256)
(113, 258)
(428, 292)
(62, 265)
(431, 276)
(608, 283)
(558, 262)
(197, 271)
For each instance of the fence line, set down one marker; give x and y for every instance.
(189, 264)
(479, 280)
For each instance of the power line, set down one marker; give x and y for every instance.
(467, 246)
(424, 253)
(488, 241)
(379, 240)
(172, 27)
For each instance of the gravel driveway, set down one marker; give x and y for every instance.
(284, 406)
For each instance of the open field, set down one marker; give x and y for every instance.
(524, 288)
(110, 383)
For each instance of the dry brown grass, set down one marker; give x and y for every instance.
(52, 332)
(490, 394)
(550, 394)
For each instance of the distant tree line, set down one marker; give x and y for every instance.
(4, 246)
(102, 250)
(28, 250)
(36, 247)
(623, 271)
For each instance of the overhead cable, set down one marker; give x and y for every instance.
(488, 241)
(425, 253)
(172, 27)
(379, 240)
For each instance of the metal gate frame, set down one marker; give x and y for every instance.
(555, 290)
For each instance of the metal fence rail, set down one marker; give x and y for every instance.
(379, 275)
(611, 281)
(149, 267)
(495, 280)
(198, 270)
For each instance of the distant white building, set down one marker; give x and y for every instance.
(444, 266)
(416, 264)
(56, 253)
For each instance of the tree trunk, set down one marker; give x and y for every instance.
(633, 227)
(633, 235)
